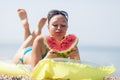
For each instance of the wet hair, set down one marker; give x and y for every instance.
(56, 12)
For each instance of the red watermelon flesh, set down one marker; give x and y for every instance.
(62, 46)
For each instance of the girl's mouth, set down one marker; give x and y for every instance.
(59, 33)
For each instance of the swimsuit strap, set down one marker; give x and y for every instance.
(20, 61)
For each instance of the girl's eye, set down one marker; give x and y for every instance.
(55, 25)
(63, 25)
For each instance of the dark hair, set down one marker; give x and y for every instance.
(57, 12)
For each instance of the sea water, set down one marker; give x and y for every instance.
(94, 55)
(101, 55)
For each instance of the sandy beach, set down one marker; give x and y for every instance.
(7, 77)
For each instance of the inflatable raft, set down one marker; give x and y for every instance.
(58, 70)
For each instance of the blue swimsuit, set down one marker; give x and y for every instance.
(27, 50)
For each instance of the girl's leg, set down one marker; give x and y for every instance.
(39, 27)
(23, 17)
(29, 39)
(36, 42)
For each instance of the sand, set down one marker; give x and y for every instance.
(6, 77)
(114, 76)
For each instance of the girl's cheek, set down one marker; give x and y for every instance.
(52, 27)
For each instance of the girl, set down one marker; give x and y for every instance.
(57, 27)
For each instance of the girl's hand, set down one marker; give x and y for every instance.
(51, 54)
(74, 54)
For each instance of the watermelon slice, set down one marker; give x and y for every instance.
(62, 47)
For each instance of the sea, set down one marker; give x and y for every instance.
(93, 55)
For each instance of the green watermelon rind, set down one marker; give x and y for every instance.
(65, 52)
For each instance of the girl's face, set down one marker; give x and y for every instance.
(58, 26)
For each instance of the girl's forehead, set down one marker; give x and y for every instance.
(58, 18)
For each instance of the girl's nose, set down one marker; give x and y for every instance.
(59, 27)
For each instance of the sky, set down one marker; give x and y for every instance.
(95, 22)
